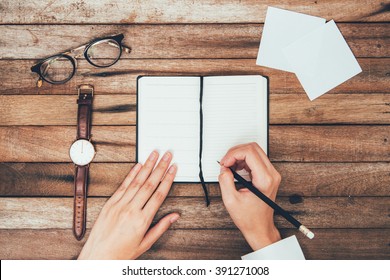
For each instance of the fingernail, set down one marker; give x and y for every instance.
(174, 218)
(166, 156)
(137, 167)
(222, 168)
(153, 155)
(172, 169)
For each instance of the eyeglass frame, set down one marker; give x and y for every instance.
(72, 58)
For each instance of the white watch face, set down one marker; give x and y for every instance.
(82, 152)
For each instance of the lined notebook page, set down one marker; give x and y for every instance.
(168, 119)
(234, 112)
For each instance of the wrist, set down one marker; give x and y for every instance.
(260, 239)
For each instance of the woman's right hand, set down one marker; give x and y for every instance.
(251, 215)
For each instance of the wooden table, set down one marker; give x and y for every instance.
(333, 153)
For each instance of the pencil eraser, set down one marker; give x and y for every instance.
(310, 235)
(306, 231)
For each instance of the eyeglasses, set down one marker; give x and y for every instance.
(60, 68)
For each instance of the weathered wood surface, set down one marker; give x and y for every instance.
(201, 244)
(167, 11)
(121, 77)
(51, 144)
(172, 41)
(314, 212)
(117, 143)
(329, 143)
(333, 153)
(326, 179)
(121, 109)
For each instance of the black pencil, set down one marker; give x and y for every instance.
(272, 204)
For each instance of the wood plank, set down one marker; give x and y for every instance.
(157, 11)
(121, 77)
(229, 244)
(51, 144)
(298, 179)
(173, 41)
(195, 244)
(62, 110)
(329, 143)
(121, 109)
(330, 109)
(314, 212)
(117, 143)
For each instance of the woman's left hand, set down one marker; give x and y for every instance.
(122, 229)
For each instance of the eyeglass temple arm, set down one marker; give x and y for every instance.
(126, 49)
(46, 68)
(77, 51)
(40, 81)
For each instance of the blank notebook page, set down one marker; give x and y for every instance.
(235, 111)
(168, 119)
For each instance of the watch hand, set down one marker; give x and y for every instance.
(82, 146)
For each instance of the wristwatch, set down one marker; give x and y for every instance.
(82, 152)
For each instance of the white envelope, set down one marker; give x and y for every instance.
(322, 60)
(281, 28)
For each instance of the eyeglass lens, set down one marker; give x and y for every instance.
(104, 53)
(57, 69)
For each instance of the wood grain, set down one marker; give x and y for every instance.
(51, 144)
(172, 41)
(314, 212)
(121, 109)
(62, 110)
(196, 244)
(330, 109)
(229, 244)
(117, 143)
(326, 179)
(333, 153)
(121, 77)
(329, 143)
(166, 11)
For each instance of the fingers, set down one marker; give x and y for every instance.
(157, 231)
(264, 175)
(161, 193)
(126, 182)
(248, 153)
(228, 188)
(240, 165)
(245, 152)
(140, 178)
(150, 185)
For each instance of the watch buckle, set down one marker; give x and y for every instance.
(85, 87)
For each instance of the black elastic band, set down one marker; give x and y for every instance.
(201, 144)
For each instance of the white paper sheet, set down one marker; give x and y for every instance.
(169, 121)
(281, 28)
(322, 60)
(234, 112)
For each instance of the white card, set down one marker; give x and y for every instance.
(281, 28)
(322, 60)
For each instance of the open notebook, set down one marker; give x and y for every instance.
(199, 118)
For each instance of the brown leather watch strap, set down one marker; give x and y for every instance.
(80, 201)
(84, 113)
(81, 175)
